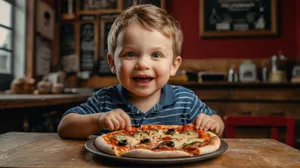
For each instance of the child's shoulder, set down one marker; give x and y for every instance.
(177, 89)
(106, 90)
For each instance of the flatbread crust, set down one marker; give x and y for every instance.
(144, 153)
(214, 144)
(102, 145)
(110, 148)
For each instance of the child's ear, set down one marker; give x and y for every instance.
(176, 63)
(111, 63)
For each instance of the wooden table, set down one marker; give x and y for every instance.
(48, 150)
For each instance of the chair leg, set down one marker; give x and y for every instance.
(230, 132)
(274, 133)
(290, 132)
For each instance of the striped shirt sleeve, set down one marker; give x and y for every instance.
(197, 107)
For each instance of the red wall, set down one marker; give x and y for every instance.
(298, 29)
(187, 12)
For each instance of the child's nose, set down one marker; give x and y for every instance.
(142, 63)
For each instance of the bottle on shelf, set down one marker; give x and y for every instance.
(277, 72)
(232, 74)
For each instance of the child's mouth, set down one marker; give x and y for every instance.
(142, 79)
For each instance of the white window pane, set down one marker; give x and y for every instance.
(5, 62)
(5, 13)
(5, 38)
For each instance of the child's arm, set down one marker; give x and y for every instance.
(81, 126)
(213, 123)
(75, 125)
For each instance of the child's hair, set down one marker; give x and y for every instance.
(150, 17)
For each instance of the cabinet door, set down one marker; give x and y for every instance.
(280, 109)
(212, 94)
(234, 108)
(265, 94)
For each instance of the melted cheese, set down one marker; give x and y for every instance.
(131, 140)
(188, 141)
(178, 143)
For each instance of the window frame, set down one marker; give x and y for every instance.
(12, 40)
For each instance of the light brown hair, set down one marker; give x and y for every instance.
(150, 17)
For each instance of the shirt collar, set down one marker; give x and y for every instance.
(167, 98)
(121, 95)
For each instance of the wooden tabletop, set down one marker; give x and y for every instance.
(22, 100)
(48, 150)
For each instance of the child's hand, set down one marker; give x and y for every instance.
(114, 120)
(206, 122)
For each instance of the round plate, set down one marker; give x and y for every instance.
(90, 146)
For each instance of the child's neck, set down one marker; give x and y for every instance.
(145, 103)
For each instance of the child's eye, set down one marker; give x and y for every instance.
(130, 54)
(156, 55)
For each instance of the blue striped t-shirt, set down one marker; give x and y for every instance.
(177, 106)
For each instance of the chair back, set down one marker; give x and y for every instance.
(231, 122)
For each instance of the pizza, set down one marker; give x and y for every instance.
(158, 141)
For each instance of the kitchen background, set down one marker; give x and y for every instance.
(56, 58)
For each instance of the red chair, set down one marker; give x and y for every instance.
(269, 121)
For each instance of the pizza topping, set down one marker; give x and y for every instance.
(171, 131)
(145, 140)
(191, 134)
(153, 132)
(166, 143)
(129, 139)
(192, 144)
(159, 138)
(120, 137)
(167, 138)
(188, 128)
(140, 135)
(122, 142)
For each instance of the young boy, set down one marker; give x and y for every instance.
(144, 48)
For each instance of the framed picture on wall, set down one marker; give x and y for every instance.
(100, 6)
(239, 18)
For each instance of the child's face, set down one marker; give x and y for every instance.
(143, 60)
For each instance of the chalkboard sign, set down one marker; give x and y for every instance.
(67, 39)
(87, 46)
(105, 25)
(43, 55)
(228, 18)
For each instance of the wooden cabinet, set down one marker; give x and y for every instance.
(250, 99)
(256, 108)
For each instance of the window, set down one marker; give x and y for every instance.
(12, 40)
(6, 36)
(12, 37)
